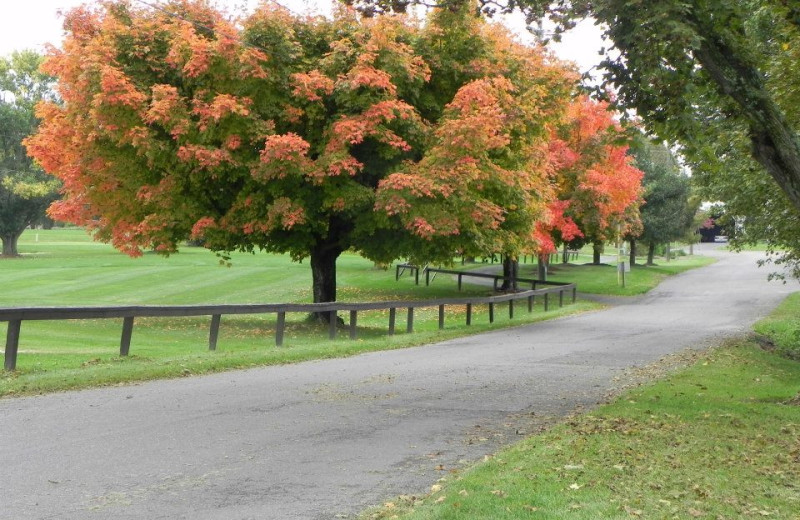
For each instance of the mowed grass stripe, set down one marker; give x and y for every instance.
(141, 284)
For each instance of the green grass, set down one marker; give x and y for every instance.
(719, 439)
(782, 327)
(65, 268)
(758, 246)
(602, 279)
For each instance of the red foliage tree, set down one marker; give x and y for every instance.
(599, 190)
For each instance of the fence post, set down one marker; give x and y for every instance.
(127, 332)
(494, 285)
(561, 297)
(280, 328)
(213, 333)
(546, 301)
(392, 318)
(353, 324)
(332, 325)
(397, 272)
(459, 281)
(441, 317)
(469, 314)
(416, 275)
(491, 313)
(510, 309)
(410, 321)
(12, 344)
(530, 303)
(427, 277)
(574, 293)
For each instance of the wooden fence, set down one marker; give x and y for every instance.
(460, 275)
(15, 316)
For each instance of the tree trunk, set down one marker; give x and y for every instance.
(632, 258)
(541, 267)
(651, 252)
(565, 255)
(323, 276)
(597, 249)
(10, 244)
(510, 272)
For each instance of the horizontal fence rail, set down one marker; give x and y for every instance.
(16, 315)
(496, 277)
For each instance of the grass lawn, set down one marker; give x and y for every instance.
(758, 246)
(63, 267)
(717, 440)
(782, 328)
(602, 279)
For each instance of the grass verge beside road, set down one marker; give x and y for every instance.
(782, 328)
(719, 439)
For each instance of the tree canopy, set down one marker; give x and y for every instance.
(705, 75)
(666, 214)
(302, 135)
(25, 190)
(719, 78)
(598, 188)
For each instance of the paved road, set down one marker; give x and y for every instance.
(324, 439)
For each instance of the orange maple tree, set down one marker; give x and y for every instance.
(271, 132)
(598, 189)
(484, 181)
(304, 135)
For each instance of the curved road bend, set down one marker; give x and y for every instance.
(324, 439)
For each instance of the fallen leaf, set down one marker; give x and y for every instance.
(499, 493)
(463, 493)
(695, 513)
(440, 499)
(436, 488)
(575, 486)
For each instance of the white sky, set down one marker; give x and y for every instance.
(29, 24)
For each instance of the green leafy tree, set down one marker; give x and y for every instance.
(754, 208)
(25, 190)
(666, 214)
